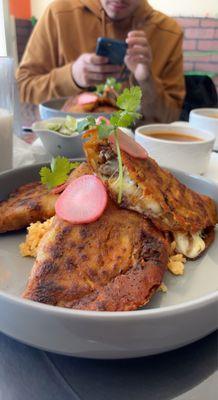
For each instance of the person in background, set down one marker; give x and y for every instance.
(60, 59)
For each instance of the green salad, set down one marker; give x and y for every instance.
(71, 126)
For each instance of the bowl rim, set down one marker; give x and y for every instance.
(40, 130)
(46, 106)
(174, 128)
(197, 113)
(53, 100)
(187, 306)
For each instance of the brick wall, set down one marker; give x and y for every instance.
(200, 46)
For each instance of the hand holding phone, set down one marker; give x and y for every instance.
(90, 70)
(139, 56)
(113, 49)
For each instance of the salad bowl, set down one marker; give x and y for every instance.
(63, 136)
(60, 136)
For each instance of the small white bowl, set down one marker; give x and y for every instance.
(192, 157)
(57, 144)
(206, 119)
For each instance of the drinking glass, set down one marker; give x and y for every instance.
(6, 112)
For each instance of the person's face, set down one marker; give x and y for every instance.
(119, 9)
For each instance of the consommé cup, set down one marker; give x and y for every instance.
(206, 119)
(191, 155)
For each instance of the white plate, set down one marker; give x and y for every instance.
(184, 314)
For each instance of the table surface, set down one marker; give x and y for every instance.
(185, 374)
(189, 373)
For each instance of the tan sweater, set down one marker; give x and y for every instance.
(69, 28)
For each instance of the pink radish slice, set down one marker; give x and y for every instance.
(128, 145)
(99, 119)
(83, 201)
(86, 98)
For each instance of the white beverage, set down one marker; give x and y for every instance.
(6, 139)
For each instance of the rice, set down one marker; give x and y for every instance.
(162, 288)
(35, 233)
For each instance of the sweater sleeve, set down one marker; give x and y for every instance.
(163, 96)
(39, 75)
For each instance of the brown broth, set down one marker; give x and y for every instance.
(211, 115)
(175, 137)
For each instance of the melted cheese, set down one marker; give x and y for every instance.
(128, 185)
(189, 244)
(144, 203)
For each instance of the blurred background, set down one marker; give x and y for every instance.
(198, 18)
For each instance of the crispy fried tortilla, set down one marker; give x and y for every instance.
(105, 102)
(113, 264)
(30, 203)
(157, 194)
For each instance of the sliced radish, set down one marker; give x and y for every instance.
(99, 119)
(86, 98)
(83, 201)
(128, 145)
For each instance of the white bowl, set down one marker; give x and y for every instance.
(52, 109)
(191, 157)
(204, 118)
(57, 144)
(187, 312)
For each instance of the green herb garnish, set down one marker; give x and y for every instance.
(58, 173)
(110, 83)
(85, 124)
(128, 102)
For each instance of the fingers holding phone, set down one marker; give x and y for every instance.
(138, 56)
(91, 69)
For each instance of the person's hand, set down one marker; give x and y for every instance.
(90, 69)
(138, 56)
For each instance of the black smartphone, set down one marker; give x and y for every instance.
(113, 49)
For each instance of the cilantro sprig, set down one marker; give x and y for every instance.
(110, 83)
(129, 103)
(58, 172)
(85, 124)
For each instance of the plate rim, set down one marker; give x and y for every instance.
(82, 159)
(186, 306)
